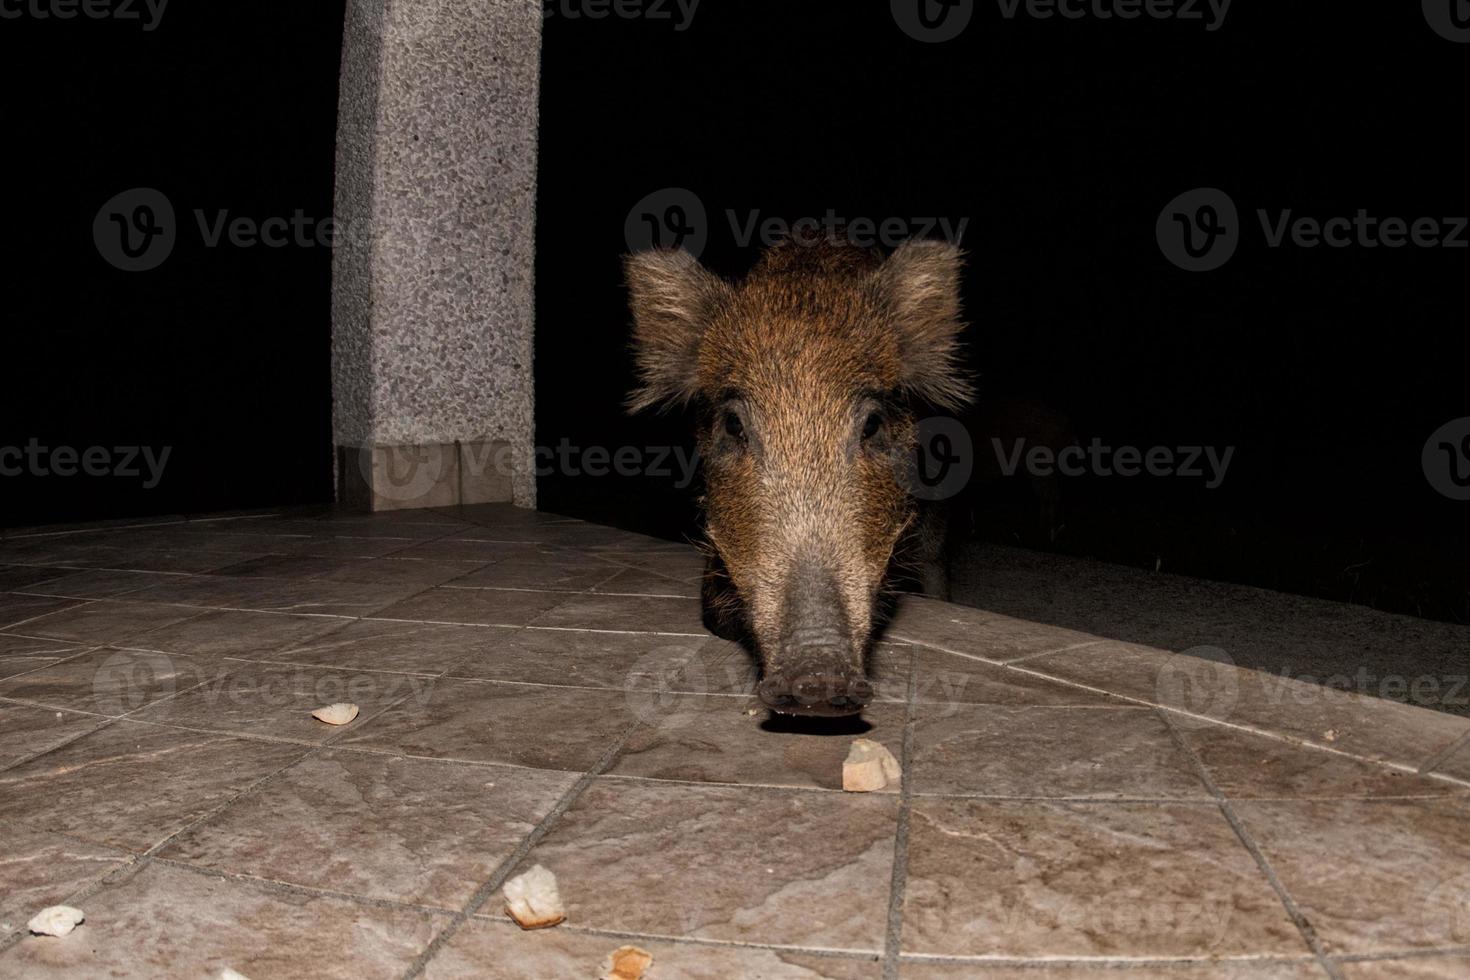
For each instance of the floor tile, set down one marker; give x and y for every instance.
(947, 678)
(40, 870)
(26, 609)
(558, 576)
(722, 667)
(111, 682)
(484, 607)
(106, 621)
(1248, 766)
(724, 862)
(1085, 880)
(643, 614)
(276, 700)
(1417, 968)
(718, 740)
(1376, 876)
(1204, 683)
(458, 548)
(977, 632)
(400, 571)
(623, 661)
(19, 654)
(26, 730)
(483, 948)
(17, 577)
(640, 581)
(236, 633)
(131, 786)
(172, 922)
(1251, 969)
(1050, 753)
(483, 721)
(405, 830)
(97, 584)
(415, 648)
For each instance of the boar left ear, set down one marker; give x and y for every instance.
(672, 297)
(921, 284)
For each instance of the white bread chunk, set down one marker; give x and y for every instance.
(533, 900)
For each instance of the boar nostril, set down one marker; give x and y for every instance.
(811, 690)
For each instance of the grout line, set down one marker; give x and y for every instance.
(291, 888)
(1046, 653)
(898, 882)
(1304, 927)
(1439, 758)
(1407, 954)
(503, 871)
(1105, 963)
(871, 956)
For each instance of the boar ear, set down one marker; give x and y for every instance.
(921, 283)
(672, 297)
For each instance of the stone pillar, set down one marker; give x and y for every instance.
(432, 274)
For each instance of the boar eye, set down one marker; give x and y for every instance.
(733, 426)
(872, 425)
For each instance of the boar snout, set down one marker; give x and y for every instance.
(816, 670)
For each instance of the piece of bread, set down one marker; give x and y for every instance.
(627, 963)
(533, 900)
(336, 714)
(869, 766)
(57, 920)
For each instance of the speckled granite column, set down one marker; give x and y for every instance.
(432, 275)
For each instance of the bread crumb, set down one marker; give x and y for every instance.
(58, 920)
(627, 963)
(869, 766)
(533, 901)
(336, 714)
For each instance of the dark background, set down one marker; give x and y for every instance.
(1059, 141)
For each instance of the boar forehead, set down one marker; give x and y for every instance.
(800, 326)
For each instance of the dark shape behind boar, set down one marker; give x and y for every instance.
(805, 377)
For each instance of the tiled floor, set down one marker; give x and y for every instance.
(538, 690)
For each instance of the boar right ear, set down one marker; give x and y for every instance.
(673, 298)
(921, 282)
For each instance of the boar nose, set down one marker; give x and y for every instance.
(819, 681)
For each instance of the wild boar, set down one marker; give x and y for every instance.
(805, 377)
